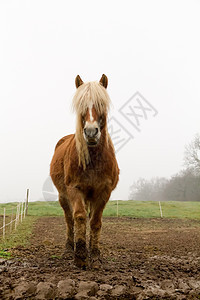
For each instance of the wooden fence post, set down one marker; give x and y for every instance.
(26, 204)
(11, 221)
(4, 223)
(16, 218)
(161, 214)
(17, 215)
(22, 211)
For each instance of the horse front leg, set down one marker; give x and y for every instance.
(96, 211)
(65, 204)
(80, 219)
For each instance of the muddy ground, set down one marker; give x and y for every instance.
(141, 259)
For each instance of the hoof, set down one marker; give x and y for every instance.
(69, 246)
(80, 263)
(81, 255)
(95, 260)
(69, 250)
(96, 264)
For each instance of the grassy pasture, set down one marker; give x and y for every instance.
(20, 236)
(135, 209)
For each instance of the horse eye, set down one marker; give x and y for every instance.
(101, 120)
(83, 120)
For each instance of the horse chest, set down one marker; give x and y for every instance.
(94, 175)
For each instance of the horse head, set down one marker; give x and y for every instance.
(92, 106)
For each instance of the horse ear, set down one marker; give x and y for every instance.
(78, 81)
(104, 81)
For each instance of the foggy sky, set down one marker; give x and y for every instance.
(150, 47)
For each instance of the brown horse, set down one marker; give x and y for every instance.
(85, 171)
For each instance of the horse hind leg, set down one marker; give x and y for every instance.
(65, 204)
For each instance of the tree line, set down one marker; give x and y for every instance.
(183, 186)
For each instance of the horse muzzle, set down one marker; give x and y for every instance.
(92, 142)
(91, 135)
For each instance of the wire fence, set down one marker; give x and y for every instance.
(159, 203)
(13, 216)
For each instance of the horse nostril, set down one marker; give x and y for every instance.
(96, 131)
(91, 132)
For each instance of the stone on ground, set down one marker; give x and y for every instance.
(66, 288)
(86, 289)
(45, 290)
(118, 291)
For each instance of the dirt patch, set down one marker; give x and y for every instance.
(141, 259)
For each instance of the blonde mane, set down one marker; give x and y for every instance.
(89, 94)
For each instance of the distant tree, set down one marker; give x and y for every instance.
(140, 190)
(148, 190)
(184, 186)
(192, 155)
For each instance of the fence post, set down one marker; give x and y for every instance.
(22, 205)
(26, 204)
(11, 221)
(17, 215)
(4, 223)
(161, 214)
(24, 212)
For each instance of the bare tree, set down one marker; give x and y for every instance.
(192, 155)
(183, 186)
(140, 190)
(148, 190)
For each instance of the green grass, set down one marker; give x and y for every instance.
(136, 209)
(18, 237)
(5, 254)
(38, 208)
(150, 209)
(44, 208)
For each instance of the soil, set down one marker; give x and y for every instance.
(141, 259)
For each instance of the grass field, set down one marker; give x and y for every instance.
(135, 209)
(18, 237)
